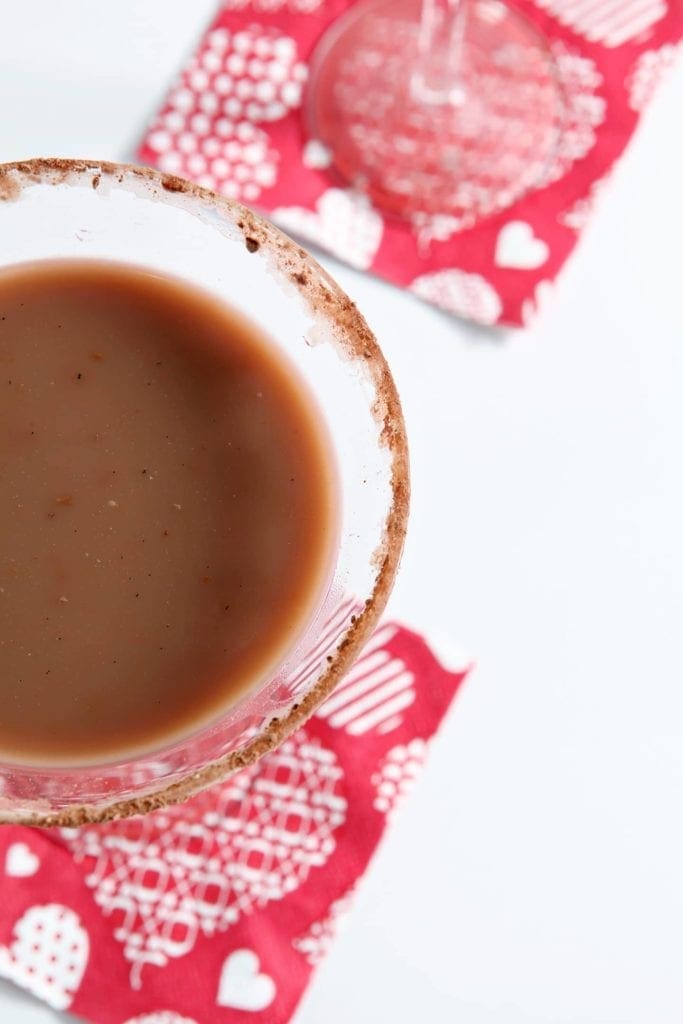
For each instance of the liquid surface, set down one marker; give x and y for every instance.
(166, 509)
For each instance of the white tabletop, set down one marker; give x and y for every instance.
(536, 875)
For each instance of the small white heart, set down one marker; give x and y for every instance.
(21, 862)
(316, 155)
(241, 986)
(518, 247)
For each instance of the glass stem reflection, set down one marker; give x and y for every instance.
(435, 78)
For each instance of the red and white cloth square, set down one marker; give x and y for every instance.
(219, 909)
(232, 121)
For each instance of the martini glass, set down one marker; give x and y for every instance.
(90, 209)
(436, 106)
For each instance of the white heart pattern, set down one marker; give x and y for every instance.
(343, 222)
(21, 861)
(241, 986)
(48, 954)
(468, 295)
(181, 872)
(517, 247)
(208, 130)
(602, 21)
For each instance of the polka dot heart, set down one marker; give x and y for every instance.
(235, 122)
(208, 131)
(48, 953)
(237, 161)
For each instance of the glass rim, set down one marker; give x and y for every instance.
(324, 299)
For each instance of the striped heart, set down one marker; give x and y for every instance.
(610, 22)
(374, 693)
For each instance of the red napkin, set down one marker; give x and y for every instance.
(220, 908)
(232, 122)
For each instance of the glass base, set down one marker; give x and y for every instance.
(463, 132)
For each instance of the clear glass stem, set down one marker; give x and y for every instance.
(436, 78)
